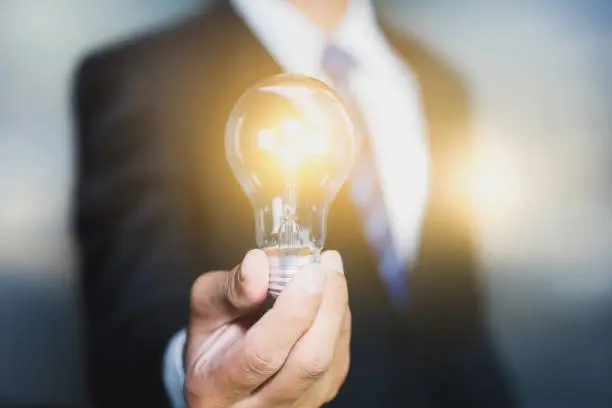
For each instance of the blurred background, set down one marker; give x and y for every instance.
(540, 79)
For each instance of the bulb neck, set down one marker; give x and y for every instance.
(284, 266)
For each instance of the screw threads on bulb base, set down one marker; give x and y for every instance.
(283, 268)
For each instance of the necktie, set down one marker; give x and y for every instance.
(365, 190)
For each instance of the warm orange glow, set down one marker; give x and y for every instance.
(291, 145)
(494, 184)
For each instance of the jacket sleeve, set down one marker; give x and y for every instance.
(134, 229)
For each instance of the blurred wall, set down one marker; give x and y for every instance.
(40, 42)
(539, 77)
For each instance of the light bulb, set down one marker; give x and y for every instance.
(291, 145)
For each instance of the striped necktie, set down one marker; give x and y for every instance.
(365, 190)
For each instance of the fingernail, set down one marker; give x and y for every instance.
(314, 280)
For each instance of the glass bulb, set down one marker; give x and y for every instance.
(291, 145)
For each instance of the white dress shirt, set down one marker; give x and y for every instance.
(386, 92)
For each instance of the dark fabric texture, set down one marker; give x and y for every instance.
(156, 205)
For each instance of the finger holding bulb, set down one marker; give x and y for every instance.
(296, 354)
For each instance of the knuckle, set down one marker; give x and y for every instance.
(314, 367)
(198, 390)
(194, 396)
(190, 390)
(261, 363)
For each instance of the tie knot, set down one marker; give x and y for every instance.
(338, 64)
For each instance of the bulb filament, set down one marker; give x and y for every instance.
(289, 234)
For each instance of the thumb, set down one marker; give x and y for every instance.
(332, 260)
(220, 297)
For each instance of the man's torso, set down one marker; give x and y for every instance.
(185, 82)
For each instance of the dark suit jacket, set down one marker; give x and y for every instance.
(157, 205)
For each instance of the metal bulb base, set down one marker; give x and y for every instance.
(283, 268)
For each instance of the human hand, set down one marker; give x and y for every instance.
(294, 355)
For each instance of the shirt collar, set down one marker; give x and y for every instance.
(297, 43)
